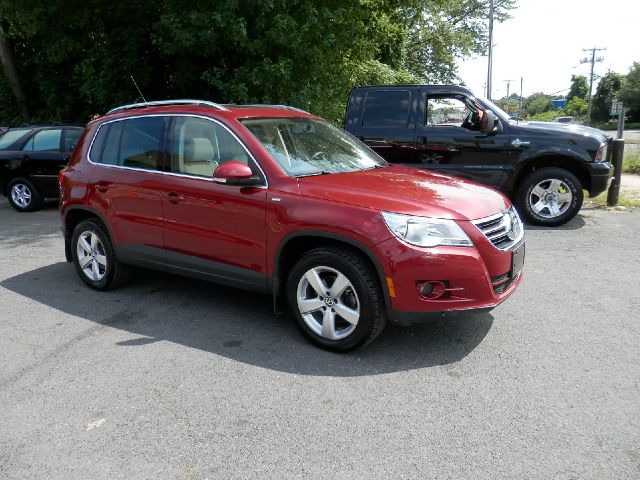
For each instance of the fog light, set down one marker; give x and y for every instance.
(433, 290)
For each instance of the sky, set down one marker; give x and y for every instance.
(543, 42)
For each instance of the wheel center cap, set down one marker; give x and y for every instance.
(551, 197)
(329, 302)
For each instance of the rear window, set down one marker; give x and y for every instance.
(384, 108)
(12, 136)
(134, 143)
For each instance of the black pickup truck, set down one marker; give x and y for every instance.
(542, 166)
(30, 160)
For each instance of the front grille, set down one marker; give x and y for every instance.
(503, 230)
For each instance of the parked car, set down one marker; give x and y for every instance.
(30, 159)
(275, 200)
(543, 167)
(563, 120)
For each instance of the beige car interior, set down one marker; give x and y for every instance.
(203, 145)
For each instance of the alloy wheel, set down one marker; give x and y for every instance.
(550, 198)
(21, 195)
(91, 256)
(328, 302)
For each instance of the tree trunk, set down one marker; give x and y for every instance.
(9, 68)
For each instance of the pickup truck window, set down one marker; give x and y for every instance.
(452, 111)
(44, 140)
(384, 108)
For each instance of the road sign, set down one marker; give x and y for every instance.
(616, 107)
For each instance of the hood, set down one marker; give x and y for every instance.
(565, 129)
(407, 190)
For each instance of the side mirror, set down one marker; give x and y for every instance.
(488, 123)
(235, 173)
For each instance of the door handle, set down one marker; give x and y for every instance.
(517, 143)
(102, 186)
(173, 197)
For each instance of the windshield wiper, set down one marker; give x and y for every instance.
(314, 174)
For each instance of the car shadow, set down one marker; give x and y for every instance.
(240, 325)
(575, 223)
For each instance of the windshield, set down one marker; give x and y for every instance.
(11, 136)
(496, 109)
(306, 146)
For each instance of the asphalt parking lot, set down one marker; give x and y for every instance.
(174, 378)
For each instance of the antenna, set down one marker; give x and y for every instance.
(138, 88)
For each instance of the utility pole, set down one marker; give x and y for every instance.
(520, 108)
(484, 89)
(490, 59)
(593, 60)
(508, 82)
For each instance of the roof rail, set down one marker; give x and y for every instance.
(288, 107)
(201, 103)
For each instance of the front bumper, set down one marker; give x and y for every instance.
(600, 175)
(478, 279)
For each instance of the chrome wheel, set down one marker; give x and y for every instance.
(21, 195)
(550, 198)
(328, 302)
(91, 256)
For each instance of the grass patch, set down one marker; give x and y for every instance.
(631, 163)
(623, 201)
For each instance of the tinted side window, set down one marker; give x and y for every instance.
(95, 154)
(111, 143)
(198, 146)
(12, 136)
(44, 140)
(135, 143)
(386, 108)
(141, 143)
(71, 138)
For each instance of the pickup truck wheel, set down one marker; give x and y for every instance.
(94, 257)
(550, 196)
(336, 299)
(23, 196)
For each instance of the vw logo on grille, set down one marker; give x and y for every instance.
(512, 229)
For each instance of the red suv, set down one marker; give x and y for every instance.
(275, 200)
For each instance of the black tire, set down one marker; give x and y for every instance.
(23, 195)
(525, 199)
(363, 292)
(113, 273)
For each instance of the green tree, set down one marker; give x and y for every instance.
(607, 90)
(301, 52)
(536, 104)
(579, 87)
(576, 107)
(630, 92)
(441, 31)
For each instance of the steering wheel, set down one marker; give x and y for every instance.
(473, 121)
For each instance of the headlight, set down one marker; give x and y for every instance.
(426, 232)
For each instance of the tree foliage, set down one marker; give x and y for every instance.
(630, 92)
(301, 52)
(607, 90)
(536, 104)
(579, 87)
